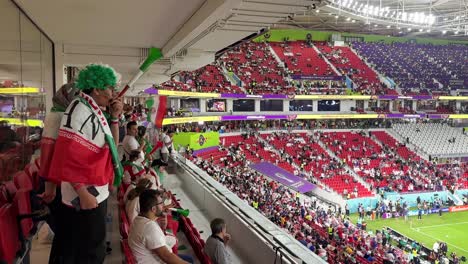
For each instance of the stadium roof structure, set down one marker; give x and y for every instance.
(408, 18)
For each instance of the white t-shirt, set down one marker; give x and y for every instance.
(167, 143)
(146, 235)
(130, 143)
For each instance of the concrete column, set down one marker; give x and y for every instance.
(229, 104)
(286, 105)
(202, 105)
(257, 106)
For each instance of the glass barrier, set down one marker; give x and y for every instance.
(26, 76)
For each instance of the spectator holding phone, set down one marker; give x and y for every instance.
(85, 161)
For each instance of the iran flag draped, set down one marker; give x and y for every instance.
(157, 109)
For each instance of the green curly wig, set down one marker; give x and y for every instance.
(96, 76)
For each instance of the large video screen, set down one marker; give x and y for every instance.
(300, 105)
(271, 105)
(243, 105)
(328, 105)
(190, 104)
(216, 105)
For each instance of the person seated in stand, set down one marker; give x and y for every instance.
(146, 238)
(215, 246)
(133, 168)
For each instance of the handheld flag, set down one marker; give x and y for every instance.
(157, 109)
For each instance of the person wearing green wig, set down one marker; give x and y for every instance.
(85, 162)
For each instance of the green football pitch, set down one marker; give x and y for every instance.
(451, 228)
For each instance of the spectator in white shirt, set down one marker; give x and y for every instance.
(167, 147)
(146, 239)
(130, 142)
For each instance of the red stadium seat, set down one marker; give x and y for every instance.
(23, 181)
(23, 202)
(128, 254)
(124, 224)
(9, 242)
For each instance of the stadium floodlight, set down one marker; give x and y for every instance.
(376, 11)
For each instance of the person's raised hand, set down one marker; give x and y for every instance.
(226, 237)
(116, 107)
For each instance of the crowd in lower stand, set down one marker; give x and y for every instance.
(325, 230)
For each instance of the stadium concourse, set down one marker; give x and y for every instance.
(234, 131)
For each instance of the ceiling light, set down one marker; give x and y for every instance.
(348, 19)
(444, 32)
(445, 19)
(336, 16)
(409, 29)
(420, 30)
(353, 21)
(456, 32)
(330, 14)
(376, 25)
(429, 30)
(317, 11)
(457, 18)
(400, 32)
(388, 26)
(398, 27)
(404, 16)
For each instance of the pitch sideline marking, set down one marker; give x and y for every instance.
(443, 225)
(437, 239)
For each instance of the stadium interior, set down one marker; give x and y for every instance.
(319, 131)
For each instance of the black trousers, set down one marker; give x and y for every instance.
(81, 236)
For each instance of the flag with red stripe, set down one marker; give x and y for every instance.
(157, 106)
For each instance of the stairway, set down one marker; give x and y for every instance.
(327, 61)
(349, 169)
